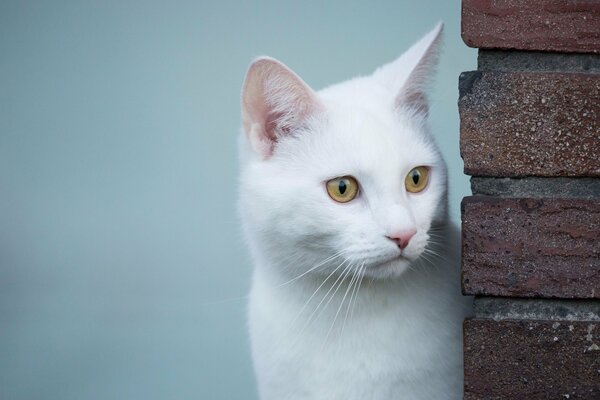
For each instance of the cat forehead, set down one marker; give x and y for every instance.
(363, 93)
(364, 105)
(375, 130)
(353, 140)
(361, 130)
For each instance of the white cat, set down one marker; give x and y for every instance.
(355, 291)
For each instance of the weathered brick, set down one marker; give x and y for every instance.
(507, 60)
(587, 188)
(530, 123)
(526, 359)
(547, 25)
(531, 247)
(498, 308)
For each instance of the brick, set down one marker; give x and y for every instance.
(545, 25)
(499, 308)
(525, 359)
(506, 60)
(587, 188)
(531, 247)
(530, 123)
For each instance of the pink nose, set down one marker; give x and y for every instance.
(402, 238)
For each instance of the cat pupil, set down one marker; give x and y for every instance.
(342, 187)
(415, 177)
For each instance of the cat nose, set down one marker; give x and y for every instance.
(402, 238)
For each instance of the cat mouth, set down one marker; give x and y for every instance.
(389, 268)
(391, 260)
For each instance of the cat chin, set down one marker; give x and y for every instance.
(390, 269)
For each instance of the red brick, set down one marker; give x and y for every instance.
(528, 359)
(530, 124)
(546, 25)
(531, 247)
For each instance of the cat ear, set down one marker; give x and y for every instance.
(410, 74)
(275, 101)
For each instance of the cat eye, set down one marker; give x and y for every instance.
(417, 179)
(342, 189)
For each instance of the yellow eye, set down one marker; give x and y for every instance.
(416, 180)
(342, 189)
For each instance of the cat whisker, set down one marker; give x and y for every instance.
(435, 237)
(437, 257)
(315, 293)
(337, 286)
(434, 254)
(430, 262)
(219, 301)
(425, 256)
(322, 263)
(320, 309)
(354, 274)
(354, 284)
(438, 227)
(364, 270)
(298, 336)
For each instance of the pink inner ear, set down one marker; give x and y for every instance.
(275, 101)
(415, 101)
(278, 123)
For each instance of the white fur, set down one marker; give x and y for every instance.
(319, 330)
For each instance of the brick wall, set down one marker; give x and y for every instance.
(530, 139)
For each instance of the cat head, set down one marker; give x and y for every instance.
(347, 177)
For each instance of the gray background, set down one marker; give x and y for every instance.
(121, 261)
